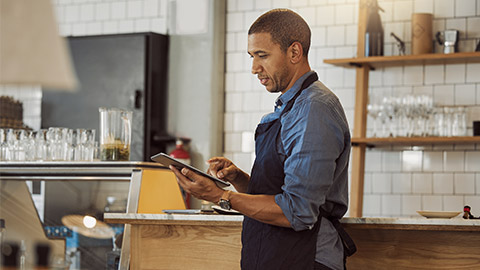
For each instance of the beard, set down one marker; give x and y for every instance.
(280, 80)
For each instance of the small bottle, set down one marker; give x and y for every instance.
(374, 31)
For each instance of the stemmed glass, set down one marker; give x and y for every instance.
(401, 115)
(392, 113)
(424, 110)
(408, 103)
(375, 110)
(459, 122)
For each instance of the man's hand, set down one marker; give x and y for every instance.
(259, 207)
(199, 186)
(224, 169)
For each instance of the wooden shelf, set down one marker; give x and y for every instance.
(415, 141)
(375, 62)
(362, 66)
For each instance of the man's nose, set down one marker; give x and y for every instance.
(256, 68)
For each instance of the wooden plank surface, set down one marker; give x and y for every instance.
(185, 247)
(405, 60)
(358, 152)
(380, 246)
(416, 140)
(357, 182)
(362, 26)
(175, 222)
(360, 118)
(414, 249)
(414, 227)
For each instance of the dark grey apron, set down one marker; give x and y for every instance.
(267, 246)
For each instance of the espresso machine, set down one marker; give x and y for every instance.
(448, 39)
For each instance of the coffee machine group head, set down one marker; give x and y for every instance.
(449, 40)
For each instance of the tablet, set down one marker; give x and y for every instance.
(188, 211)
(167, 160)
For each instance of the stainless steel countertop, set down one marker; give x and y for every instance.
(73, 170)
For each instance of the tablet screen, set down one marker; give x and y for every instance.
(167, 160)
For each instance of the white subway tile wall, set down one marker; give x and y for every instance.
(424, 6)
(432, 161)
(398, 180)
(465, 94)
(444, 8)
(443, 183)
(464, 183)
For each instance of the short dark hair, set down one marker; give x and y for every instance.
(285, 27)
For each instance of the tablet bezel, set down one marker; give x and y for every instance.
(167, 160)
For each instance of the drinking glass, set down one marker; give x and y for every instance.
(115, 134)
(78, 146)
(391, 114)
(84, 144)
(459, 125)
(28, 142)
(401, 116)
(448, 113)
(10, 138)
(15, 145)
(54, 136)
(41, 152)
(88, 144)
(408, 103)
(374, 111)
(67, 144)
(439, 122)
(3, 144)
(425, 109)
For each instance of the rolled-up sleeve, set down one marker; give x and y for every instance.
(313, 139)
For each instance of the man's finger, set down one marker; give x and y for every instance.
(181, 179)
(214, 159)
(227, 171)
(216, 165)
(212, 170)
(191, 175)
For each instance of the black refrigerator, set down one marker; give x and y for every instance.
(127, 71)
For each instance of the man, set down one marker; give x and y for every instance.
(301, 166)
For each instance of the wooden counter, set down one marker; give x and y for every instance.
(183, 241)
(213, 242)
(417, 243)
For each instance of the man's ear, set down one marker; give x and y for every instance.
(296, 52)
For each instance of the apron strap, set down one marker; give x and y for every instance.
(308, 81)
(348, 245)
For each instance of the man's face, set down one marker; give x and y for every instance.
(269, 63)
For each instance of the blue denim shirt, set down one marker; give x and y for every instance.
(314, 144)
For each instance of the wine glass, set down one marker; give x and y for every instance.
(408, 103)
(374, 110)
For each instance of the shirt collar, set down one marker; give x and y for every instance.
(290, 93)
